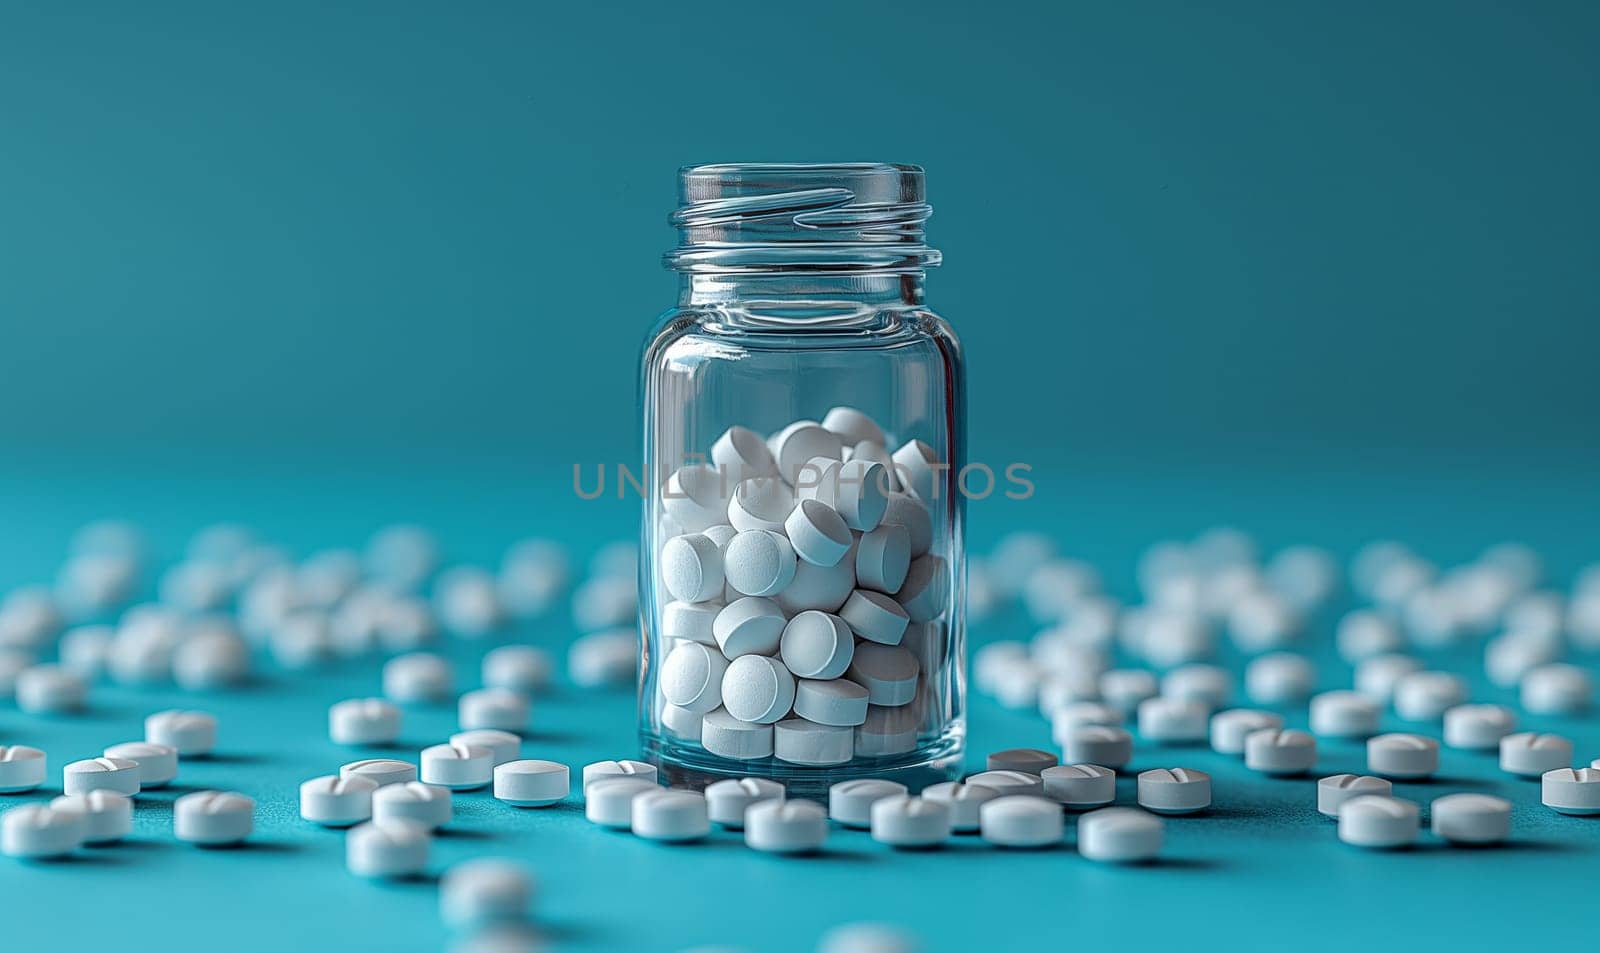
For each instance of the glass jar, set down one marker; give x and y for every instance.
(804, 421)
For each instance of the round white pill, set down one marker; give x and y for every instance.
(1424, 696)
(1377, 675)
(749, 626)
(798, 444)
(459, 767)
(1174, 790)
(696, 497)
(604, 659)
(1373, 820)
(758, 563)
(1026, 760)
(1009, 783)
(1021, 820)
(523, 668)
(1557, 689)
(905, 820)
(211, 659)
(392, 848)
(850, 802)
(363, 721)
(1120, 835)
(852, 426)
(1080, 787)
(1069, 718)
(912, 513)
(926, 590)
(917, 466)
(964, 800)
(1099, 744)
(887, 672)
(1478, 727)
(831, 702)
(625, 768)
(609, 800)
(819, 587)
(417, 677)
(883, 557)
(34, 831)
(799, 741)
(818, 533)
(742, 454)
(1210, 685)
(875, 617)
(1281, 752)
(1471, 818)
(690, 621)
(1571, 791)
(757, 689)
(1344, 714)
(724, 735)
(1124, 689)
(425, 805)
(1530, 754)
(1230, 728)
(21, 768)
(759, 503)
(1365, 633)
(495, 708)
(503, 745)
(158, 764)
(531, 782)
(668, 815)
(1336, 789)
(484, 891)
(1173, 720)
(817, 645)
(107, 815)
(1399, 755)
(337, 802)
(887, 731)
(382, 771)
(117, 775)
(727, 800)
(785, 827)
(1509, 657)
(1279, 678)
(50, 690)
(192, 733)
(213, 818)
(691, 567)
(691, 677)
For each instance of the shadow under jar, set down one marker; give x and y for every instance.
(804, 422)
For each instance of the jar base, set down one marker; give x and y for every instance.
(692, 767)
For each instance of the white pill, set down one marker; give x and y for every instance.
(1120, 835)
(1471, 818)
(1365, 633)
(742, 454)
(817, 645)
(1399, 755)
(917, 466)
(393, 848)
(363, 721)
(1424, 696)
(1079, 787)
(785, 827)
(603, 601)
(531, 782)
(1279, 678)
(337, 802)
(1261, 621)
(859, 489)
(1071, 717)
(117, 775)
(625, 768)
(1124, 689)
(883, 557)
(888, 731)
(1344, 714)
(158, 764)
(1336, 789)
(1009, 782)
(1099, 744)
(485, 891)
(905, 820)
(107, 815)
(692, 567)
(192, 733)
(926, 590)
(680, 723)
(1175, 636)
(1571, 791)
(1282, 752)
(467, 600)
(724, 735)
(850, 802)
(1509, 657)
(1377, 676)
(1478, 727)
(85, 650)
(50, 690)
(382, 771)
(669, 815)
(215, 657)
(426, 805)
(762, 503)
(1173, 720)
(758, 563)
(1373, 820)
(609, 801)
(965, 801)
(727, 800)
(758, 689)
(696, 497)
(518, 668)
(1021, 820)
(1530, 754)
(533, 576)
(1208, 684)
(817, 533)
(503, 745)
(887, 672)
(824, 588)
(213, 818)
(875, 617)
(691, 677)
(1557, 689)
(1026, 760)
(852, 426)
(1174, 790)
(492, 708)
(802, 441)
(832, 702)
(21, 768)
(799, 741)
(1230, 728)
(603, 659)
(912, 513)
(35, 831)
(749, 626)
(690, 622)
(459, 767)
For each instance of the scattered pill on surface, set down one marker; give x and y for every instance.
(35, 831)
(1336, 789)
(965, 801)
(21, 768)
(1080, 787)
(1424, 696)
(850, 802)
(485, 890)
(1377, 675)
(1471, 818)
(1344, 714)
(906, 820)
(191, 733)
(495, 708)
(50, 690)
(1530, 754)
(418, 677)
(1399, 755)
(1571, 790)
(609, 800)
(728, 799)
(1230, 728)
(382, 771)
(1557, 689)
(523, 669)
(1120, 835)
(1210, 685)
(1070, 718)
(785, 827)
(363, 721)
(387, 849)
(107, 815)
(213, 818)
(1026, 760)
(333, 801)
(532, 782)
(1365, 633)
(1125, 689)
(1279, 678)
(1008, 782)
(1374, 820)
(117, 775)
(605, 659)
(1478, 727)
(624, 768)
(1021, 820)
(1174, 790)
(1280, 752)
(426, 805)
(1173, 720)
(503, 745)
(1099, 744)
(670, 815)
(459, 767)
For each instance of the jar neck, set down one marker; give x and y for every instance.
(791, 292)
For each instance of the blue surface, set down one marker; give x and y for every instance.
(1259, 870)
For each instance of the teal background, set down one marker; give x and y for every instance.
(1324, 271)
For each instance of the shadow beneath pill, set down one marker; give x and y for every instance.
(224, 757)
(455, 833)
(255, 847)
(1182, 863)
(552, 737)
(562, 932)
(1440, 781)
(134, 845)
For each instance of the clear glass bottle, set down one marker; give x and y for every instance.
(802, 292)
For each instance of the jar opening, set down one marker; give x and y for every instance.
(834, 218)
